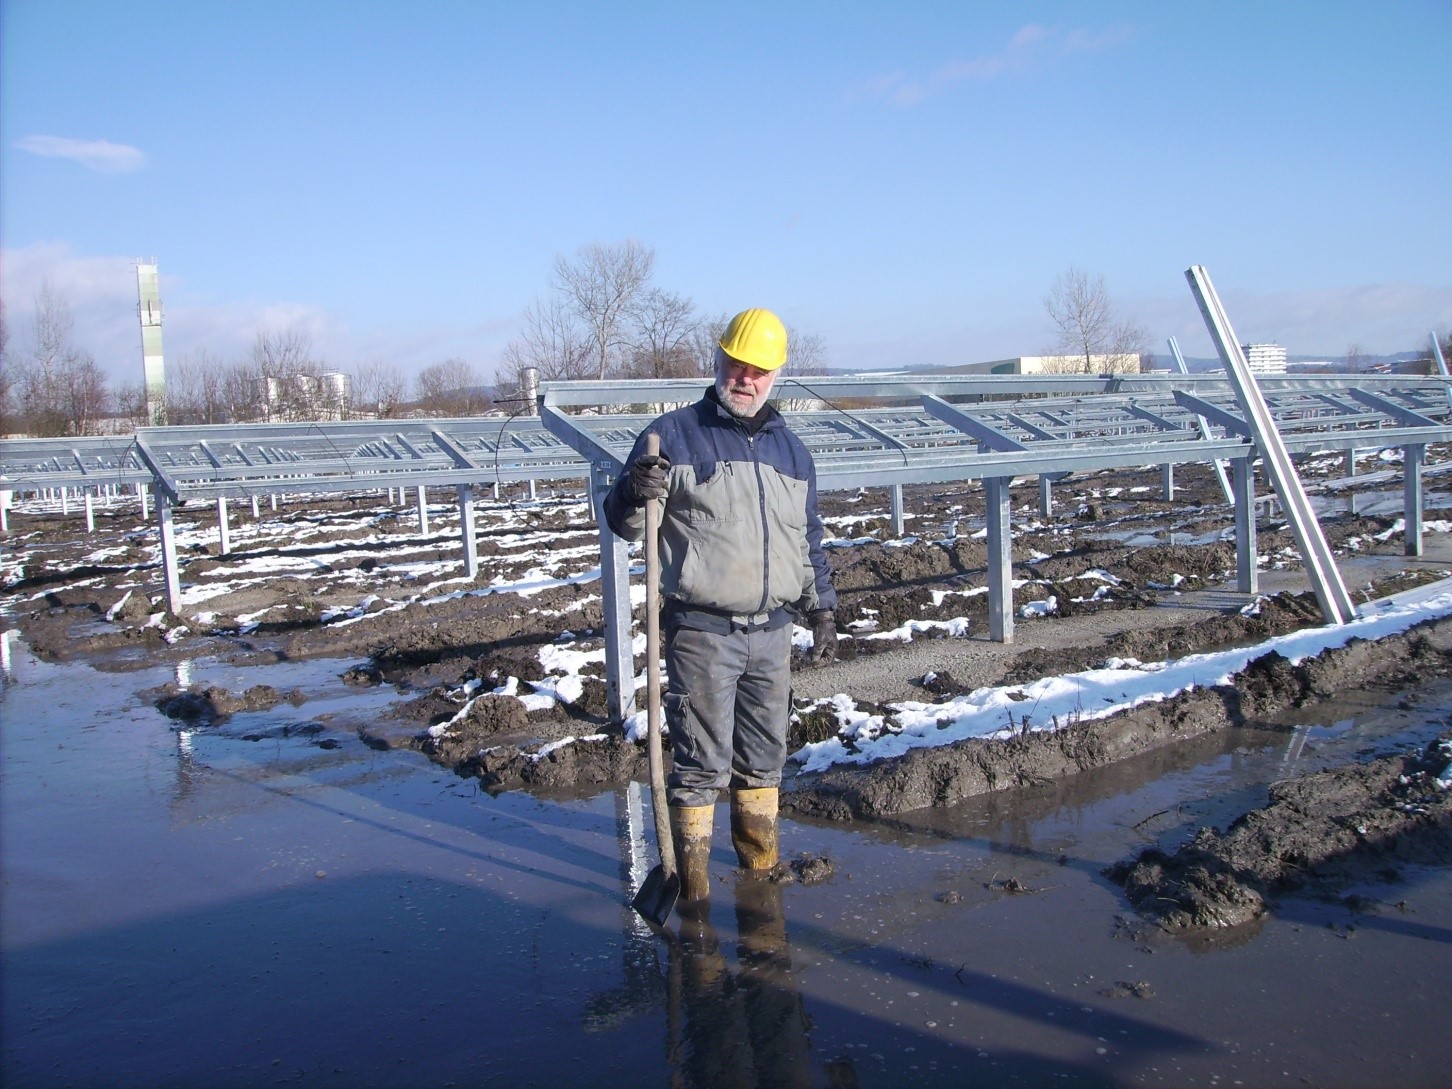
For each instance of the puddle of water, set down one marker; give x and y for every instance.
(185, 907)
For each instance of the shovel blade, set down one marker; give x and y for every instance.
(657, 896)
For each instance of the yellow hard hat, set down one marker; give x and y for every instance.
(756, 337)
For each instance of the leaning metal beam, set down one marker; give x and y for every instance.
(1441, 360)
(1336, 604)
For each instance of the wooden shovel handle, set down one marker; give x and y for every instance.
(652, 674)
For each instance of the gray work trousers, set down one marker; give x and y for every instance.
(726, 705)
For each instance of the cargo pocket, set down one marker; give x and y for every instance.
(677, 705)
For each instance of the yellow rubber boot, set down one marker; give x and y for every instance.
(754, 827)
(691, 830)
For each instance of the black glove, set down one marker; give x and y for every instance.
(824, 635)
(646, 478)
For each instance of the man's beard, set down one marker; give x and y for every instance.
(741, 405)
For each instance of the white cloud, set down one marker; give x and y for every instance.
(1030, 46)
(102, 156)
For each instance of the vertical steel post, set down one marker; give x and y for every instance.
(423, 510)
(224, 527)
(615, 605)
(466, 526)
(1247, 563)
(897, 516)
(1000, 560)
(169, 572)
(1413, 457)
(1046, 497)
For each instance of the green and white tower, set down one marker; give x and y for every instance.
(149, 308)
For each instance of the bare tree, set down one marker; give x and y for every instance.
(601, 285)
(662, 324)
(1087, 324)
(285, 375)
(60, 389)
(195, 389)
(87, 397)
(130, 402)
(378, 388)
(243, 392)
(277, 353)
(1357, 359)
(806, 352)
(450, 388)
(554, 343)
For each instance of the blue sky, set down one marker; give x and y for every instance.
(905, 180)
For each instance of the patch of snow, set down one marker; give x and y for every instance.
(116, 608)
(1053, 702)
(545, 750)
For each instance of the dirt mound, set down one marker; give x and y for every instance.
(1319, 834)
(215, 703)
(1270, 684)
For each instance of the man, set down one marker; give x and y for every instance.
(741, 554)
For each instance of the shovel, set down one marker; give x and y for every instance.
(657, 896)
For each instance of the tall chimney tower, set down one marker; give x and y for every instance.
(149, 309)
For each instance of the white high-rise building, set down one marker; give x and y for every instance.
(1265, 358)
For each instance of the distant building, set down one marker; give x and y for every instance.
(1265, 358)
(304, 396)
(1055, 364)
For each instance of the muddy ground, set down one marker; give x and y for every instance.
(353, 579)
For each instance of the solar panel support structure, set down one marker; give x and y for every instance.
(1247, 571)
(1414, 454)
(1203, 425)
(166, 495)
(1336, 605)
(1000, 560)
(169, 570)
(615, 603)
(996, 512)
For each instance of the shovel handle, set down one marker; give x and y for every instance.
(654, 732)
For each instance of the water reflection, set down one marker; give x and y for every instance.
(742, 1023)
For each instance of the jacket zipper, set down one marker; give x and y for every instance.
(765, 526)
